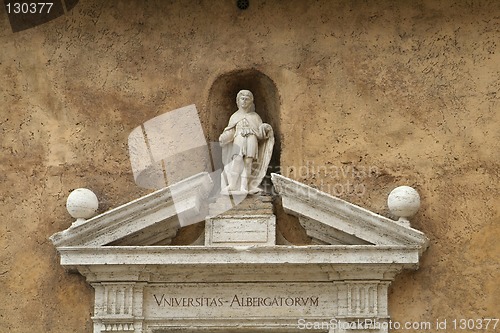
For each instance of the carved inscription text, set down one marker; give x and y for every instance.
(235, 301)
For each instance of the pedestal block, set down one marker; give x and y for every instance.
(251, 222)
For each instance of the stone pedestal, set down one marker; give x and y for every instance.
(250, 222)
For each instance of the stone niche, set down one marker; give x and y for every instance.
(221, 103)
(236, 277)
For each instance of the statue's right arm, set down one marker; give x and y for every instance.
(226, 136)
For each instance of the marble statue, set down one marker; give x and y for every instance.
(247, 145)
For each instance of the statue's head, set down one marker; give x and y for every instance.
(244, 99)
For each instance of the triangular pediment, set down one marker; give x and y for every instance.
(333, 221)
(153, 219)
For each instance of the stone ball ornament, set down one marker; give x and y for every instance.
(82, 204)
(404, 202)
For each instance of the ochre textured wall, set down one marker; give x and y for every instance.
(373, 94)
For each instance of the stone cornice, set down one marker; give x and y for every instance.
(237, 255)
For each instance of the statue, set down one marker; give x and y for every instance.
(247, 146)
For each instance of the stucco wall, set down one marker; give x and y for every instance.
(373, 94)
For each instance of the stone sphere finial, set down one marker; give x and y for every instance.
(82, 204)
(404, 202)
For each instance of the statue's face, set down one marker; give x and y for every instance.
(245, 100)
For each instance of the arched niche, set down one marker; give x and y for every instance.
(221, 105)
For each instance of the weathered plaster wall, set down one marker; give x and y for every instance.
(400, 92)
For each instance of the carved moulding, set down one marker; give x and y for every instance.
(338, 283)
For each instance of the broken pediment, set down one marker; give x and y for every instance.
(151, 220)
(331, 220)
(236, 274)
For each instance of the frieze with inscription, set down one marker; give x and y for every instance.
(235, 299)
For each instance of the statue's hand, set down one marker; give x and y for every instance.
(222, 141)
(267, 129)
(247, 132)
